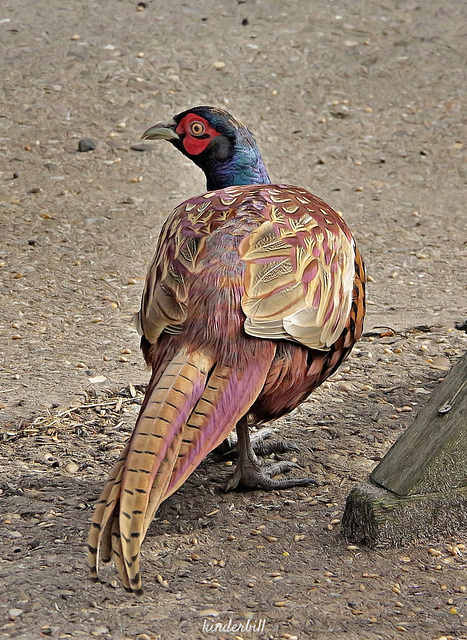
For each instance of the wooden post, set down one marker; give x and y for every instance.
(419, 489)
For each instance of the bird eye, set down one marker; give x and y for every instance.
(197, 128)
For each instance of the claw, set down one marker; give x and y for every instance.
(253, 475)
(260, 441)
(262, 448)
(250, 473)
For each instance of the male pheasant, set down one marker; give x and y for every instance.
(254, 297)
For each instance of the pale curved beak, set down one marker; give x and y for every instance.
(161, 132)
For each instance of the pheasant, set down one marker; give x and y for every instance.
(254, 297)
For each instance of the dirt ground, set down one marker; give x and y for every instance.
(358, 101)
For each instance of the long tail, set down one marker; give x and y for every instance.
(192, 408)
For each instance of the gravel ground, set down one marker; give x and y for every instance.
(358, 101)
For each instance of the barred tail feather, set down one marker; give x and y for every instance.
(105, 507)
(145, 466)
(226, 399)
(192, 408)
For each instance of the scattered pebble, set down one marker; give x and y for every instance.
(14, 613)
(161, 580)
(346, 387)
(86, 144)
(208, 613)
(97, 379)
(441, 363)
(141, 147)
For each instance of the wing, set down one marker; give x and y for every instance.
(300, 270)
(299, 259)
(164, 305)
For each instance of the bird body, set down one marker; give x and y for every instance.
(254, 297)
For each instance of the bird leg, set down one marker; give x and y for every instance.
(261, 443)
(250, 473)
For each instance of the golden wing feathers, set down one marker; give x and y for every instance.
(300, 270)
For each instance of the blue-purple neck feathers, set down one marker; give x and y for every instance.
(244, 166)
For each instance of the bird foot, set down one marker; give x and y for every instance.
(254, 475)
(261, 443)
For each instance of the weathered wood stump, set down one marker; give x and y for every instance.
(419, 489)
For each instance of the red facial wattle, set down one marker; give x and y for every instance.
(195, 145)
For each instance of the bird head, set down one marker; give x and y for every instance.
(218, 143)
